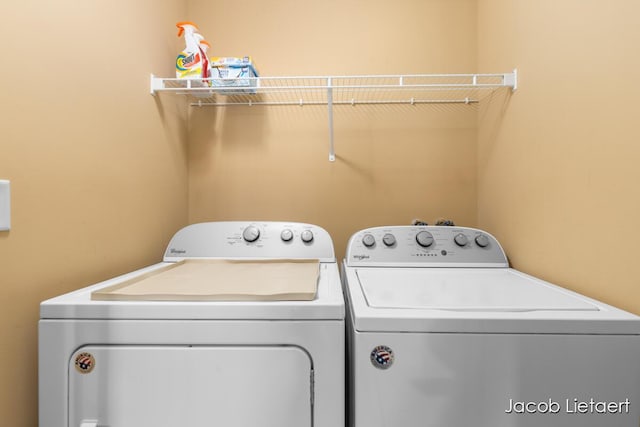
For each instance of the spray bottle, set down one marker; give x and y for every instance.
(189, 61)
(204, 47)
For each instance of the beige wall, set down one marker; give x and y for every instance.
(394, 163)
(98, 169)
(558, 162)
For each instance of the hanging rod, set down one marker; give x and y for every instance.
(352, 102)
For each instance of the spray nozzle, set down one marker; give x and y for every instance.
(201, 41)
(184, 25)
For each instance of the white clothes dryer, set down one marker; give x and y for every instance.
(443, 333)
(241, 325)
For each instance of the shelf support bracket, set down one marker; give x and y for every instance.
(332, 153)
(155, 85)
(511, 80)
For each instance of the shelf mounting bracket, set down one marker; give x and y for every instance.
(332, 153)
(511, 80)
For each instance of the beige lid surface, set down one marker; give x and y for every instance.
(221, 280)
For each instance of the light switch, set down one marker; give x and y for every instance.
(5, 205)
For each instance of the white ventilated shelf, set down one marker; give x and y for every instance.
(337, 90)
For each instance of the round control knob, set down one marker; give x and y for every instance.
(424, 239)
(368, 240)
(389, 239)
(307, 236)
(286, 235)
(482, 241)
(251, 233)
(461, 239)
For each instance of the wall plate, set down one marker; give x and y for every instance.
(5, 205)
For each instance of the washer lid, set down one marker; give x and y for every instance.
(474, 300)
(499, 290)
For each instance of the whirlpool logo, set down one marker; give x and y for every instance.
(177, 251)
(361, 257)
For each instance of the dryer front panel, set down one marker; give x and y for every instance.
(169, 386)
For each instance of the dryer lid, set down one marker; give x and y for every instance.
(328, 303)
(467, 290)
(220, 280)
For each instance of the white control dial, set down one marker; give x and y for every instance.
(461, 239)
(368, 240)
(286, 235)
(389, 239)
(424, 239)
(307, 236)
(251, 233)
(482, 241)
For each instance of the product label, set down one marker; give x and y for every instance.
(382, 357)
(189, 64)
(84, 362)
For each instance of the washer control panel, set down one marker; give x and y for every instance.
(425, 246)
(253, 240)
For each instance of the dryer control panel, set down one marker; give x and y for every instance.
(424, 246)
(251, 240)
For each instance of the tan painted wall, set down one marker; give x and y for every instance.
(98, 169)
(558, 162)
(394, 163)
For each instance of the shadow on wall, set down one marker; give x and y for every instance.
(172, 113)
(227, 129)
(490, 118)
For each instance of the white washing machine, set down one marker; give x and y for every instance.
(220, 333)
(442, 333)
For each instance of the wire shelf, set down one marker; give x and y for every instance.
(345, 90)
(412, 89)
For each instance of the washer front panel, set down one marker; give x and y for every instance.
(463, 380)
